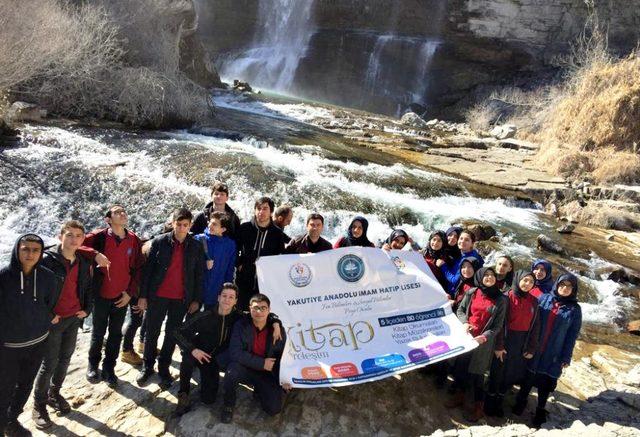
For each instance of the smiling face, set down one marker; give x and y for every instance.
(436, 242)
(452, 239)
(356, 229)
(398, 243)
(540, 272)
(227, 299)
(503, 266)
(467, 270)
(565, 288)
(489, 279)
(465, 243)
(526, 283)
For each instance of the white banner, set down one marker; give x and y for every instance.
(357, 314)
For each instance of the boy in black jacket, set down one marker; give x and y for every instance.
(74, 303)
(219, 198)
(27, 296)
(255, 360)
(172, 281)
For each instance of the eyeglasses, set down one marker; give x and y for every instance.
(260, 309)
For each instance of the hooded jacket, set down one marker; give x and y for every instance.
(349, 240)
(26, 301)
(54, 261)
(222, 250)
(564, 332)
(201, 221)
(545, 285)
(253, 243)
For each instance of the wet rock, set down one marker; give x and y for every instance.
(495, 239)
(412, 119)
(22, 111)
(485, 248)
(634, 327)
(546, 243)
(572, 211)
(622, 275)
(242, 86)
(610, 237)
(503, 132)
(566, 229)
(482, 231)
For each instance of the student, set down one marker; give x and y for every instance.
(451, 271)
(451, 249)
(515, 344)
(114, 286)
(73, 304)
(544, 281)
(434, 251)
(255, 360)
(282, 218)
(219, 198)
(482, 311)
(205, 339)
(398, 240)
(356, 235)
(312, 241)
(258, 237)
(171, 288)
(504, 272)
(560, 323)
(220, 254)
(27, 297)
(468, 269)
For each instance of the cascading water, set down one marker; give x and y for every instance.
(282, 38)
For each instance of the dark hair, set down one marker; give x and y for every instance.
(30, 238)
(259, 298)
(469, 233)
(263, 200)
(223, 217)
(230, 286)
(111, 208)
(283, 211)
(181, 214)
(220, 187)
(72, 224)
(315, 216)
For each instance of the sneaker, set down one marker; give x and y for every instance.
(15, 429)
(226, 416)
(109, 377)
(131, 357)
(92, 375)
(143, 377)
(184, 404)
(40, 416)
(58, 403)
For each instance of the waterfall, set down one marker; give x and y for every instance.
(284, 30)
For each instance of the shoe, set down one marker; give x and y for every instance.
(143, 377)
(92, 375)
(184, 404)
(226, 416)
(519, 407)
(15, 429)
(455, 400)
(109, 377)
(40, 416)
(131, 357)
(539, 418)
(477, 412)
(165, 380)
(141, 348)
(58, 403)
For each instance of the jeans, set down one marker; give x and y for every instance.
(159, 308)
(106, 315)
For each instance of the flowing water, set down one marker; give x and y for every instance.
(76, 172)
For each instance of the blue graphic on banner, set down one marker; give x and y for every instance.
(410, 318)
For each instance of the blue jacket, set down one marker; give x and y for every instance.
(452, 271)
(222, 250)
(562, 339)
(241, 344)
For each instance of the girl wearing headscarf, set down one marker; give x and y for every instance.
(504, 271)
(515, 344)
(451, 248)
(560, 322)
(434, 251)
(451, 271)
(398, 240)
(542, 272)
(356, 235)
(482, 311)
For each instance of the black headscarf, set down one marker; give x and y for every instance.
(396, 234)
(492, 292)
(453, 252)
(517, 277)
(435, 254)
(475, 262)
(574, 285)
(363, 241)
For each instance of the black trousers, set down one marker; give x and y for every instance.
(18, 369)
(545, 383)
(159, 308)
(136, 320)
(60, 346)
(462, 378)
(497, 383)
(106, 316)
(265, 384)
(209, 377)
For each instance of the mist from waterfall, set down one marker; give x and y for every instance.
(284, 30)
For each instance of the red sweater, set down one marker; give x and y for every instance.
(259, 347)
(521, 312)
(68, 303)
(172, 286)
(479, 315)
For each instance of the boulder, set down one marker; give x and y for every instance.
(482, 231)
(23, 111)
(634, 327)
(503, 132)
(242, 86)
(546, 243)
(622, 275)
(412, 119)
(566, 229)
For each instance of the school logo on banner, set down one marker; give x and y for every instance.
(300, 275)
(351, 268)
(398, 262)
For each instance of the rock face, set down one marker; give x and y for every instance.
(22, 111)
(382, 54)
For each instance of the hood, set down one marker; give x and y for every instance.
(574, 283)
(15, 260)
(492, 291)
(517, 277)
(547, 283)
